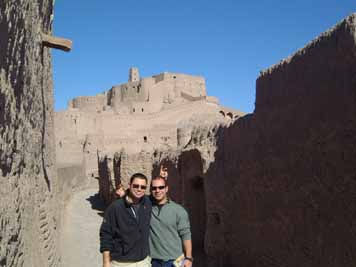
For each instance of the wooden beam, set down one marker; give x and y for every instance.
(56, 42)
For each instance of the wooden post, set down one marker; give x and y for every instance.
(56, 42)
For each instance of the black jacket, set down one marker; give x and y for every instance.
(122, 234)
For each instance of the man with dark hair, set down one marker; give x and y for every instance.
(170, 236)
(125, 228)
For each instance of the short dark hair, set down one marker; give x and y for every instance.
(159, 178)
(139, 176)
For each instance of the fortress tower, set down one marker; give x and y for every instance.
(134, 75)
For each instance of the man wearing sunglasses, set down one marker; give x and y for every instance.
(169, 228)
(125, 228)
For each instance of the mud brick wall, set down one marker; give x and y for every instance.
(118, 169)
(28, 222)
(71, 178)
(278, 186)
(107, 183)
(285, 176)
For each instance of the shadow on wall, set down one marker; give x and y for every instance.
(97, 203)
(281, 190)
(283, 185)
(273, 201)
(194, 194)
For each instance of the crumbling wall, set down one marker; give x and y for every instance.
(293, 181)
(118, 168)
(286, 174)
(187, 173)
(78, 136)
(132, 163)
(280, 186)
(89, 103)
(71, 178)
(107, 183)
(27, 219)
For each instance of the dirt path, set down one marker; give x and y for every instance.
(80, 238)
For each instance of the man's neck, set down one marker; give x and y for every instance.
(162, 201)
(132, 200)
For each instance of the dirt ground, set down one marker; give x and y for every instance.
(80, 238)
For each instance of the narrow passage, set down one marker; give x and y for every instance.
(80, 236)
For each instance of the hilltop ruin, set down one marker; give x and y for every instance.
(135, 120)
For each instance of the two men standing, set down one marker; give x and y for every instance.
(136, 226)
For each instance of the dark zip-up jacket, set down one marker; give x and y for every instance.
(125, 233)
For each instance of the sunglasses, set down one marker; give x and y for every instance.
(161, 187)
(136, 186)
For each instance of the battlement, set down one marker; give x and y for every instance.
(145, 95)
(88, 103)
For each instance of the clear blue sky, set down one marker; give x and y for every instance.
(227, 41)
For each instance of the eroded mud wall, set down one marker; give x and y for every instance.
(117, 170)
(186, 186)
(27, 221)
(280, 188)
(284, 177)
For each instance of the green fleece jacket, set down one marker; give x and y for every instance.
(169, 227)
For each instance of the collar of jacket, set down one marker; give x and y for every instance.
(129, 204)
(154, 203)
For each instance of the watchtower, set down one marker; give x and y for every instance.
(134, 75)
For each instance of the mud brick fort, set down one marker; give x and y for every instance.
(135, 120)
(272, 188)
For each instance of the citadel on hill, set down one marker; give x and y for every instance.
(147, 95)
(144, 114)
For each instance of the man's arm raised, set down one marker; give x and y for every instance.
(163, 172)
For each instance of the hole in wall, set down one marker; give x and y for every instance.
(197, 183)
(215, 218)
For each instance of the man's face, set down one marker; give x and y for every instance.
(138, 187)
(159, 189)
